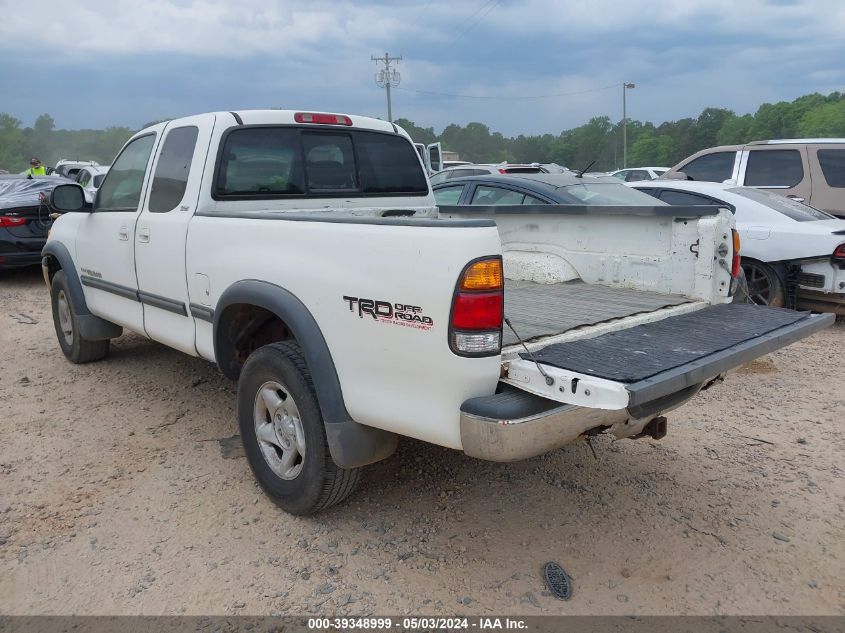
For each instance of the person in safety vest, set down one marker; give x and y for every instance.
(35, 168)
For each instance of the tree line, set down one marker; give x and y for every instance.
(599, 140)
(666, 144)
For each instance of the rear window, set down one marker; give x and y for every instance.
(798, 211)
(274, 162)
(685, 198)
(607, 194)
(716, 167)
(523, 170)
(463, 173)
(774, 168)
(832, 162)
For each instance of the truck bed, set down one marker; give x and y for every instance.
(541, 310)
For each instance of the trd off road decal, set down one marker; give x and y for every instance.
(387, 312)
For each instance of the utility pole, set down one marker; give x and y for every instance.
(625, 87)
(387, 78)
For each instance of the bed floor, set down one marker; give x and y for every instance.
(539, 310)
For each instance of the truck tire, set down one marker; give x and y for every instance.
(284, 435)
(764, 284)
(75, 348)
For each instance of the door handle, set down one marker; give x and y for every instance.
(796, 198)
(144, 234)
(123, 234)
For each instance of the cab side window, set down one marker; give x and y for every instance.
(172, 169)
(121, 190)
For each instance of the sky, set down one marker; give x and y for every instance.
(519, 66)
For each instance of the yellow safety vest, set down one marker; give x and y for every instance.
(36, 171)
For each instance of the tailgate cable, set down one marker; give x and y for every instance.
(549, 380)
(739, 286)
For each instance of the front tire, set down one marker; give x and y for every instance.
(75, 348)
(764, 285)
(284, 435)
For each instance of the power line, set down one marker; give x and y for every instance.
(420, 14)
(489, 5)
(510, 98)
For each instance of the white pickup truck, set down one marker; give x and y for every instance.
(303, 253)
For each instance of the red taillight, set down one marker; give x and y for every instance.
(10, 220)
(321, 118)
(736, 266)
(477, 309)
(839, 253)
(503, 171)
(482, 311)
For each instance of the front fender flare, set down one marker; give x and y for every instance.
(91, 327)
(351, 444)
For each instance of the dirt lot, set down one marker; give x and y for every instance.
(122, 491)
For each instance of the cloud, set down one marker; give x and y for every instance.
(198, 28)
(128, 62)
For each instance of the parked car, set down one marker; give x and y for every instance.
(484, 169)
(455, 163)
(305, 255)
(522, 189)
(70, 168)
(787, 246)
(90, 178)
(431, 156)
(24, 218)
(633, 174)
(553, 168)
(810, 170)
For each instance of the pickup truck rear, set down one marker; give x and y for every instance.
(303, 253)
(614, 316)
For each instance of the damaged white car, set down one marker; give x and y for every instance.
(793, 254)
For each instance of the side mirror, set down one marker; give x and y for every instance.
(67, 198)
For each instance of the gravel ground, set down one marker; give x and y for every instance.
(123, 491)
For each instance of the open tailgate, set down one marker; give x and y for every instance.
(631, 367)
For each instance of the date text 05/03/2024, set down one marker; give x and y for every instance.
(415, 624)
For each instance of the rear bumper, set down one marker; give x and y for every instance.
(16, 260)
(514, 425)
(19, 250)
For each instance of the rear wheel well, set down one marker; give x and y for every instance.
(241, 330)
